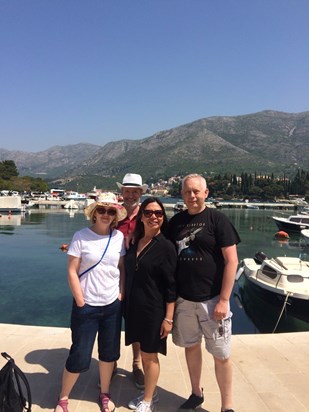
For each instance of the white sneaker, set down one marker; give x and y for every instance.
(134, 402)
(144, 406)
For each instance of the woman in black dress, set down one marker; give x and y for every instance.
(150, 292)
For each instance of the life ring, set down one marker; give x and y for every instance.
(282, 235)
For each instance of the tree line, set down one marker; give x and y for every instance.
(10, 179)
(253, 186)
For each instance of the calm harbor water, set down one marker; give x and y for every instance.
(33, 284)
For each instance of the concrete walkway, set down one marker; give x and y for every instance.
(271, 372)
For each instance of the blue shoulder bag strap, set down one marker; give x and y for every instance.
(87, 270)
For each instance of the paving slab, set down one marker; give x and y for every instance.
(271, 372)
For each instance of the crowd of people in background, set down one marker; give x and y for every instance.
(163, 277)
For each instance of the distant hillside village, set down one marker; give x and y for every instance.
(226, 187)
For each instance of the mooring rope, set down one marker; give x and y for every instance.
(282, 310)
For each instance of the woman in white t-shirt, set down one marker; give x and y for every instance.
(96, 278)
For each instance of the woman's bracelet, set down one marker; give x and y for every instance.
(169, 321)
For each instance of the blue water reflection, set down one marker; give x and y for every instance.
(33, 283)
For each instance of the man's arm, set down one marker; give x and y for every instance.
(230, 268)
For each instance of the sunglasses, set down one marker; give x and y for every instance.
(102, 211)
(149, 213)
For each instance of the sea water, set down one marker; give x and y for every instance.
(33, 271)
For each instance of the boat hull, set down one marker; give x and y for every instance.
(281, 275)
(277, 291)
(284, 280)
(11, 204)
(264, 308)
(305, 234)
(289, 226)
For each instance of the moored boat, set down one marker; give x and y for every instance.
(293, 223)
(251, 206)
(305, 234)
(74, 196)
(283, 278)
(71, 204)
(11, 204)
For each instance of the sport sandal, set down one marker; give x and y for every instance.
(105, 400)
(63, 403)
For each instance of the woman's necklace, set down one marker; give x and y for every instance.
(143, 253)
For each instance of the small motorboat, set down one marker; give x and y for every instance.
(251, 206)
(285, 278)
(71, 204)
(294, 223)
(280, 275)
(305, 235)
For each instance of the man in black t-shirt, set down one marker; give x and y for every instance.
(207, 262)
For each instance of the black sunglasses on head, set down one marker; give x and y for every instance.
(149, 213)
(103, 210)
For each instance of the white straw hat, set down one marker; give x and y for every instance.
(107, 199)
(133, 180)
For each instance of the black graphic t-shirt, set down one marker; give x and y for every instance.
(199, 239)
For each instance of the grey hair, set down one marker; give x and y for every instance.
(194, 176)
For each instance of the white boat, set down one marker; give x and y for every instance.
(293, 223)
(281, 275)
(93, 194)
(11, 204)
(71, 204)
(74, 196)
(251, 206)
(286, 278)
(305, 234)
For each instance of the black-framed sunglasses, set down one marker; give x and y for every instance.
(149, 213)
(103, 210)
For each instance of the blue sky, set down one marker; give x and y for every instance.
(94, 71)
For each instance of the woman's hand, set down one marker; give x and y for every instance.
(166, 328)
(80, 303)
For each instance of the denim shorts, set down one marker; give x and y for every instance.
(86, 323)
(193, 320)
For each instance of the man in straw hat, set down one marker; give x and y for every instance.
(132, 189)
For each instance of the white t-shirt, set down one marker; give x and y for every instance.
(100, 285)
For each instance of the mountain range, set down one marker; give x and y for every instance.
(263, 142)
